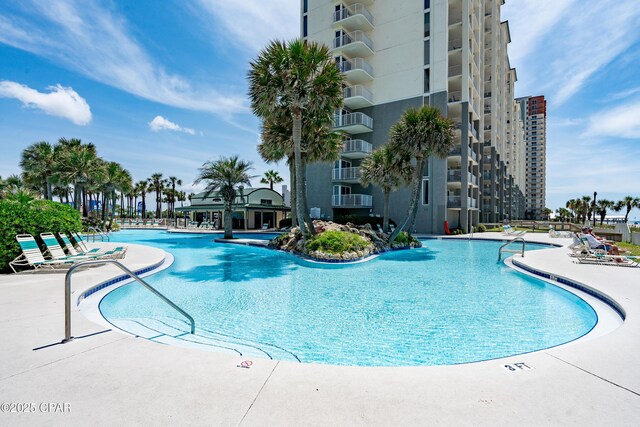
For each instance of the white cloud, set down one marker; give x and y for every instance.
(60, 101)
(621, 122)
(559, 46)
(253, 23)
(96, 42)
(160, 123)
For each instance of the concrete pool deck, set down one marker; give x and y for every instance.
(111, 378)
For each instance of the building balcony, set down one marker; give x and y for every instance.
(455, 71)
(352, 201)
(353, 123)
(356, 70)
(456, 152)
(357, 96)
(353, 44)
(455, 45)
(473, 180)
(455, 96)
(454, 175)
(356, 149)
(347, 174)
(354, 17)
(454, 202)
(472, 203)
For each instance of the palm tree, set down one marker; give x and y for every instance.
(288, 82)
(585, 205)
(547, 213)
(76, 161)
(388, 170)
(143, 187)
(174, 181)
(629, 203)
(115, 178)
(563, 214)
(601, 208)
(271, 177)
(38, 164)
(421, 133)
(157, 184)
(223, 176)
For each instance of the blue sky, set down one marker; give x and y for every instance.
(160, 86)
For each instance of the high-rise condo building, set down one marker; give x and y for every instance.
(396, 54)
(533, 110)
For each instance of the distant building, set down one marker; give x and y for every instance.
(254, 208)
(450, 54)
(533, 110)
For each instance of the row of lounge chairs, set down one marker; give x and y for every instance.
(585, 254)
(140, 223)
(507, 230)
(55, 257)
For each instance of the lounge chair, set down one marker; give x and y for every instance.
(559, 234)
(32, 257)
(72, 250)
(510, 231)
(55, 250)
(585, 254)
(265, 226)
(118, 252)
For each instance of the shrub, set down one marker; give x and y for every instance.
(374, 221)
(38, 216)
(337, 242)
(405, 238)
(481, 228)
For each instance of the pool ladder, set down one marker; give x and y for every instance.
(67, 294)
(512, 251)
(98, 232)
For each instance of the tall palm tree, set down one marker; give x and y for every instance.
(223, 176)
(629, 203)
(143, 188)
(563, 214)
(38, 163)
(421, 133)
(157, 184)
(586, 205)
(289, 81)
(271, 177)
(115, 178)
(75, 162)
(602, 206)
(387, 169)
(174, 182)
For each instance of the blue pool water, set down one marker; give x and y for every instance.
(446, 303)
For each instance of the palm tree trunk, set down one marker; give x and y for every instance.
(297, 136)
(49, 195)
(292, 194)
(385, 210)
(76, 196)
(228, 221)
(305, 206)
(113, 208)
(409, 221)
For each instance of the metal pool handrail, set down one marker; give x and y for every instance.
(99, 232)
(67, 294)
(517, 239)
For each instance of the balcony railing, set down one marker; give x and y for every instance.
(356, 64)
(455, 70)
(454, 175)
(453, 201)
(353, 37)
(355, 9)
(357, 146)
(471, 202)
(455, 44)
(473, 179)
(352, 119)
(353, 200)
(457, 151)
(347, 173)
(455, 96)
(357, 90)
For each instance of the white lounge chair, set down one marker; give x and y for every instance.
(510, 231)
(32, 257)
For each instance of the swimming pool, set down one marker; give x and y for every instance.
(446, 303)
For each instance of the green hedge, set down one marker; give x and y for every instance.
(38, 216)
(337, 242)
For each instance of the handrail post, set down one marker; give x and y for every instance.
(67, 294)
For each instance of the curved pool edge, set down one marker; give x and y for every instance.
(107, 287)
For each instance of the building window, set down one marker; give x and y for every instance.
(425, 191)
(426, 78)
(305, 6)
(304, 26)
(427, 4)
(427, 25)
(266, 202)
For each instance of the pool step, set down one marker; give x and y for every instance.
(172, 331)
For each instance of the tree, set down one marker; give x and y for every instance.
(271, 177)
(629, 203)
(115, 178)
(38, 164)
(142, 188)
(563, 214)
(420, 133)
(75, 162)
(288, 82)
(223, 177)
(601, 208)
(172, 200)
(388, 170)
(157, 184)
(547, 213)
